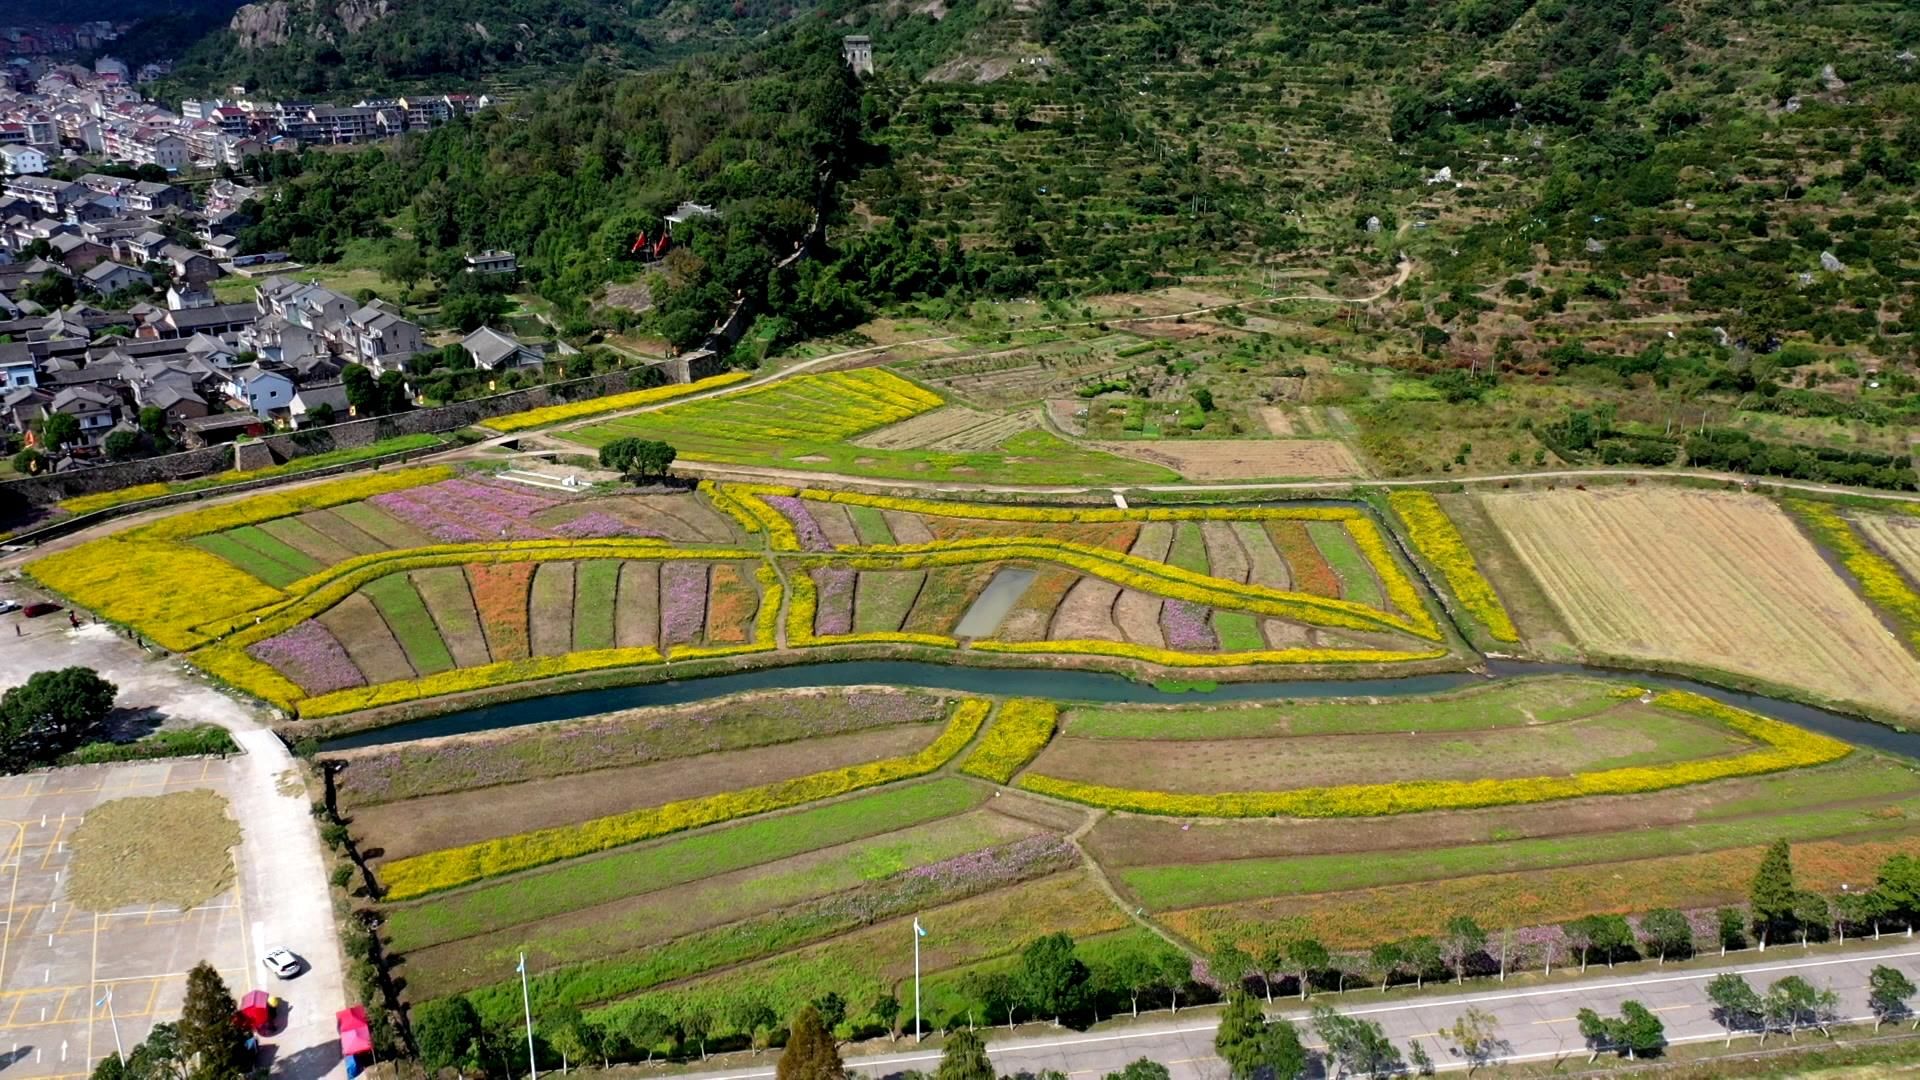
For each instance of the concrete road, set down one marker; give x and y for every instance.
(283, 893)
(1533, 1025)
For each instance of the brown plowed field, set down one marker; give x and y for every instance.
(1715, 579)
(1087, 613)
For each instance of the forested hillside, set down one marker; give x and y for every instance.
(1640, 200)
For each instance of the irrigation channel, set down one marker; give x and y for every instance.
(1090, 686)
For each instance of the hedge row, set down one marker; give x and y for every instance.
(633, 399)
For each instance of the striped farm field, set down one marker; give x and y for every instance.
(1708, 579)
(809, 421)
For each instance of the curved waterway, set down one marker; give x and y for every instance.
(1080, 686)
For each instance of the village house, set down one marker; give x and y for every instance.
(107, 278)
(494, 351)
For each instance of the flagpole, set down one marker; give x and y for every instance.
(108, 1002)
(526, 1003)
(917, 932)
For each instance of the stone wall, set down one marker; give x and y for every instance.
(19, 496)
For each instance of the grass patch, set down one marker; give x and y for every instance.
(629, 737)
(162, 849)
(204, 739)
(1185, 686)
(860, 966)
(1357, 582)
(1547, 700)
(1190, 548)
(593, 592)
(1239, 632)
(588, 882)
(412, 627)
(882, 598)
(801, 424)
(1198, 884)
(659, 915)
(870, 524)
(272, 571)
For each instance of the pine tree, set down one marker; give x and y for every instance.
(209, 1038)
(810, 1053)
(1771, 897)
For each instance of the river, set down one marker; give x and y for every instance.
(1070, 686)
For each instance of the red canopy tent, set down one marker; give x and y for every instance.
(352, 1025)
(256, 1010)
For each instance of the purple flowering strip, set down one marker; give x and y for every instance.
(1186, 625)
(311, 656)
(804, 526)
(683, 601)
(833, 611)
(599, 523)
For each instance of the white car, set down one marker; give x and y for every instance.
(7, 607)
(283, 963)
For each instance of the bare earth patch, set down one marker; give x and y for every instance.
(1245, 459)
(1716, 579)
(163, 849)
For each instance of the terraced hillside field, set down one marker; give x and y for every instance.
(808, 421)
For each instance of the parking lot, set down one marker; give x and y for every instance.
(60, 965)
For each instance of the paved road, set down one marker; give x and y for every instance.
(1535, 1024)
(282, 872)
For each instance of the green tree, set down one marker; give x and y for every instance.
(1771, 895)
(29, 462)
(1731, 929)
(1736, 1005)
(566, 1030)
(996, 993)
(1666, 933)
(810, 1053)
(59, 429)
(886, 1009)
(1476, 1034)
(1230, 965)
(700, 1024)
(447, 1030)
(122, 445)
(1888, 991)
(1898, 880)
(362, 394)
(208, 1035)
(644, 1029)
(1793, 1003)
(404, 267)
(637, 458)
(1052, 978)
(964, 1058)
(1464, 939)
(1596, 1032)
(1249, 1044)
(1639, 1030)
(1418, 1060)
(832, 1009)
(1385, 961)
(1308, 958)
(1421, 955)
(1141, 1069)
(1357, 1045)
(51, 713)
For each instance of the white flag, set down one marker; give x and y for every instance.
(917, 929)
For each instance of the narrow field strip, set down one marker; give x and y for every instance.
(1199, 884)
(588, 883)
(1787, 747)
(407, 617)
(447, 869)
